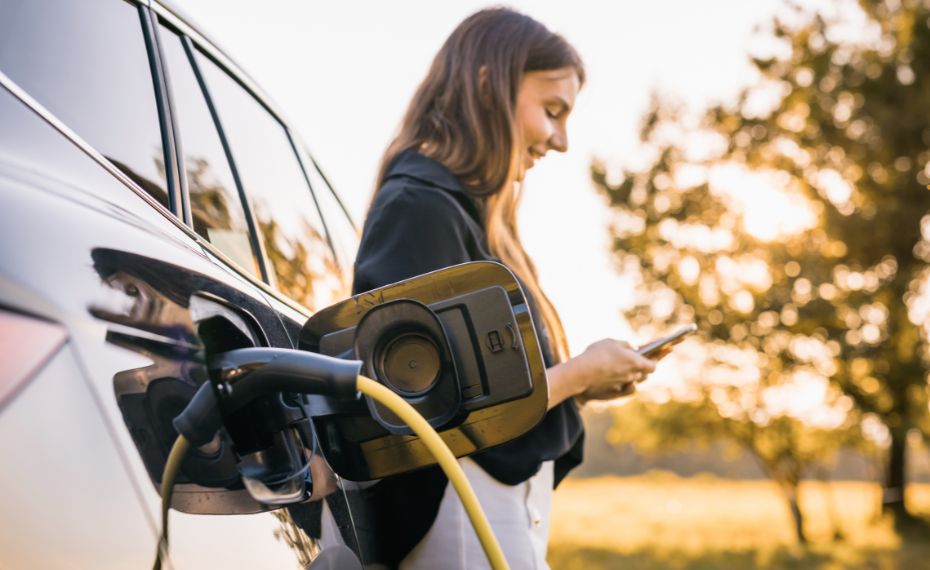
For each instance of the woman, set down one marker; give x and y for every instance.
(495, 100)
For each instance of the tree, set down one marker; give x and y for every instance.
(785, 448)
(833, 288)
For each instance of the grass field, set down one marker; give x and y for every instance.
(662, 521)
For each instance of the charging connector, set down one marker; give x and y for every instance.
(245, 375)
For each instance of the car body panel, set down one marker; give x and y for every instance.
(68, 208)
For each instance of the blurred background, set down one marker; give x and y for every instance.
(760, 168)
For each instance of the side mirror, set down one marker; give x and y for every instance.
(458, 344)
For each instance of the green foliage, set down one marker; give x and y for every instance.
(839, 121)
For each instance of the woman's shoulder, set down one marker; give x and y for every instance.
(413, 180)
(406, 197)
(411, 229)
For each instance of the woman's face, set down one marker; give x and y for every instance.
(544, 102)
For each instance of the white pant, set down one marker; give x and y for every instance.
(519, 516)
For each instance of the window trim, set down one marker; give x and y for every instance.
(162, 108)
(43, 113)
(316, 201)
(258, 248)
(301, 150)
(331, 190)
(170, 120)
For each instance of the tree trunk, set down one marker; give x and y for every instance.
(791, 495)
(836, 521)
(895, 478)
(789, 487)
(798, 521)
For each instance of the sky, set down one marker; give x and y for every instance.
(343, 73)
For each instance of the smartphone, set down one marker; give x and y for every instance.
(655, 346)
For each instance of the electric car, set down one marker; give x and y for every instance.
(146, 187)
(156, 210)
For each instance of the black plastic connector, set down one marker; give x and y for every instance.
(201, 419)
(247, 374)
(251, 373)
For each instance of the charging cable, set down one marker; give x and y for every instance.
(446, 460)
(403, 410)
(170, 474)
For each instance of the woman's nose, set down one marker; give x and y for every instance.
(558, 141)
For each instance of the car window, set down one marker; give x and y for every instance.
(87, 63)
(35, 152)
(216, 208)
(342, 232)
(300, 261)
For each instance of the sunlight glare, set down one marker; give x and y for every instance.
(770, 208)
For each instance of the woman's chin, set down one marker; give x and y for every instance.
(521, 173)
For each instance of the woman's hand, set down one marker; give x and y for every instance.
(606, 393)
(606, 369)
(619, 391)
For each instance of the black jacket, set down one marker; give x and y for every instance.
(422, 220)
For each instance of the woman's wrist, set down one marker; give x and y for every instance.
(565, 381)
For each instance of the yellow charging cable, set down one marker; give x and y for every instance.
(170, 474)
(417, 423)
(446, 460)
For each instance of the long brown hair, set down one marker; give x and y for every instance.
(463, 115)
